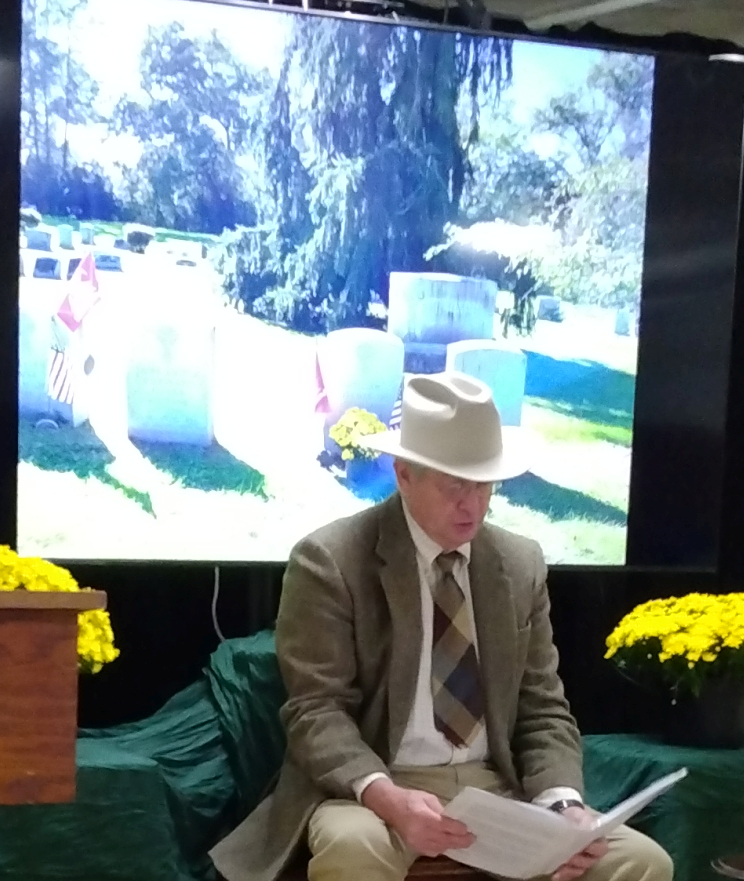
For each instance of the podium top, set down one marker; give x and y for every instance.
(77, 601)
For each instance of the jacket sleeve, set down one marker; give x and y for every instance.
(546, 743)
(317, 656)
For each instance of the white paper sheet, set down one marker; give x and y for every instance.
(522, 840)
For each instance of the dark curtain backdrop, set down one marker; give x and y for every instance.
(164, 629)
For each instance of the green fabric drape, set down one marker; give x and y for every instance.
(247, 691)
(701, 818)
(153, 796)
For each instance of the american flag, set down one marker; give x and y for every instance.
(82, 294)
(322, 404)
(59, 377)
(394, 423)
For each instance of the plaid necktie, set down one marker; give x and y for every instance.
(455, 678)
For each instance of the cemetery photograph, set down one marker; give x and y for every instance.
(241, 229)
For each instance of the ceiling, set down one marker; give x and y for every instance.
(720, 20)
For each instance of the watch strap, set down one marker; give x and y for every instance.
(560, 806)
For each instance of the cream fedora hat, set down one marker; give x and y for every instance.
(449, 422)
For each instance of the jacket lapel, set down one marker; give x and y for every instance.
(400, 582)
(496, 628)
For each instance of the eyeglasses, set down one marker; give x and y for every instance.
(457, 488)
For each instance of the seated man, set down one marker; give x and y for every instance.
(417, 651)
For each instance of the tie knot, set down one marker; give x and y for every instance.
(447, 562)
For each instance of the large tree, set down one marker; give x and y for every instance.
(610, 114)
(604, 129)
(57, 93)
(366, 153)
(56, 90)
(198, 108)
(508, 179)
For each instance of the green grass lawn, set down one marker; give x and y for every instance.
(559, 423)
(571, 540)
(78, 451)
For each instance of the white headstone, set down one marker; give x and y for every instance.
(77, 351)
(438, 308)
(170, 380)
(98, 351)
(39, 238)
(623, 320)
(429, 310)
(36, 335)
(501, 366)
(361, 367)
(87, 235)
(34, 352)
(64, 230)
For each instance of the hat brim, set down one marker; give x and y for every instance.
(514, 460)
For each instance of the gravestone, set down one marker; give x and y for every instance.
(428, 311)
(360, 367)
(34, 352)
(108, 262)
(500, 365)
(624, 322)
(64, 231)
(549, 308)
(37, 333)
(170, 379)
(39, 238)
(101, 348)
(47, 267)
(87, 236)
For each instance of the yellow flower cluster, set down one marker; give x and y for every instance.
(350, 428)
(95, 637)
(695, 628)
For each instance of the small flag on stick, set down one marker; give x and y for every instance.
(59, 377)
(394, 423)
(322, 404)
(82, 294)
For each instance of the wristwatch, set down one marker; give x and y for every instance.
(560, 806)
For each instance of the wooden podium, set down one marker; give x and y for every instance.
(38, 693)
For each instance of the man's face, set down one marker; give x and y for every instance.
(449, 510)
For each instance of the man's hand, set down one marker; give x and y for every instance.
(417, 817)
(578, 864)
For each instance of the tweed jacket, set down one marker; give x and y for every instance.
(348, 639)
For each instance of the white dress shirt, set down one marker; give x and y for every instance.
(422, 743)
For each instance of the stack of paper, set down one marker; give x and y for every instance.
(522, 840)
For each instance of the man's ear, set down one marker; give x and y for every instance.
(402, 473)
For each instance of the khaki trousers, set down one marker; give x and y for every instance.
(348, 842)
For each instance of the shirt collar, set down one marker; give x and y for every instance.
(425, 546)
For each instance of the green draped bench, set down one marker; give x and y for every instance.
(155, 795)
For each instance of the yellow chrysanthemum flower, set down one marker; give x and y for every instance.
(682, 639)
